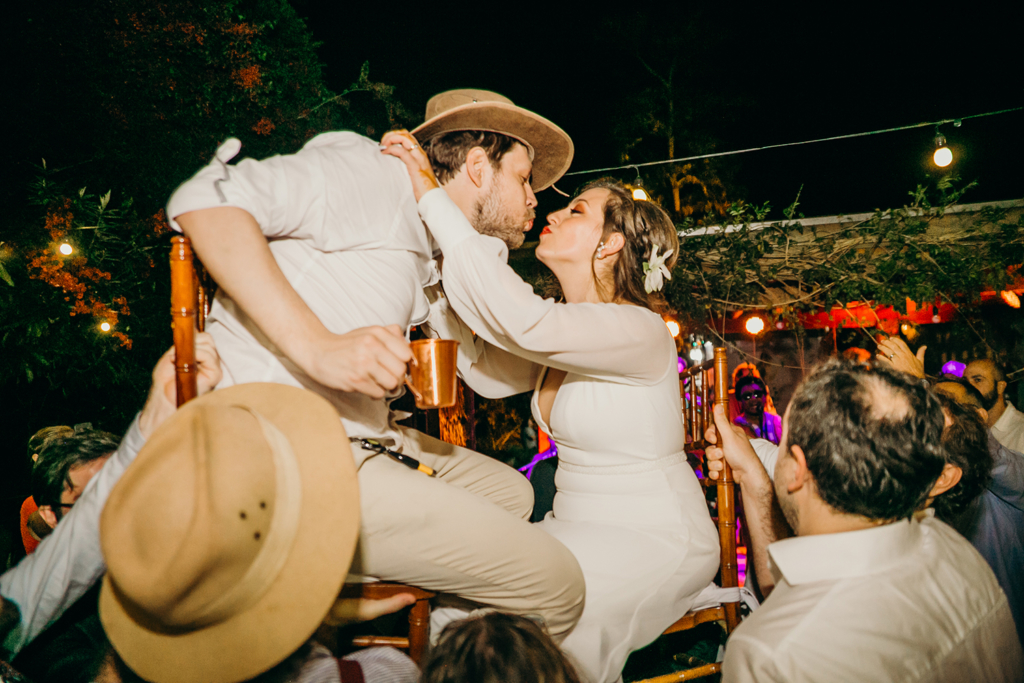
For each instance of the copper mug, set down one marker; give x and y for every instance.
(432, 373)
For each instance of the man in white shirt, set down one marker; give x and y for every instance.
(322, 261)
(863, 592)
(1005, 421)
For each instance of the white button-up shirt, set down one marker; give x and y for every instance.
(1009, 429)
(343, 225)
(907, 601)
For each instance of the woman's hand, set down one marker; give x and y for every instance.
(895, 353)
(401, 144)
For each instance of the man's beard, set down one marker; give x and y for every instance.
(492, 218)
(988, 401)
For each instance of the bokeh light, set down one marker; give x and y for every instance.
(105, 327)
(66, 249)
(754, 325)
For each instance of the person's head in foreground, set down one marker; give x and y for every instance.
(752, 395)
(861, 445)
(491, 157)
(606, 246)
(968, 467)
(228, 539)
(66, 460)
(497, 648)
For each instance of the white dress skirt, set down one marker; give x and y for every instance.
(631, 510)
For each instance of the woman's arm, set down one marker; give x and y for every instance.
(490, 371)
(606, 341)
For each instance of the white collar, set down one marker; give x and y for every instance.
(1010, 415)
(805, 559)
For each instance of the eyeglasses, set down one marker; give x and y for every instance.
(746, 396)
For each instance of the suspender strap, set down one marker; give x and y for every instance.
(351, 672)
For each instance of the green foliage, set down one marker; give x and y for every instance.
(54, 304)
(157, 86)
(922, 251)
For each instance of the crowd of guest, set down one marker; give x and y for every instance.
(862, 523)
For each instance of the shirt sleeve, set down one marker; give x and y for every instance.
(69, 561)
(338, 191)
(620, 343)
(748, 661)
(489, 371)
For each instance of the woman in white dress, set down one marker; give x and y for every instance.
(603, 368)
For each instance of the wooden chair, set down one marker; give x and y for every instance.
(697, 385)
(191, 295)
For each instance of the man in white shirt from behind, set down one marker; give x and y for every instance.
(1005, 421)
(863, 592)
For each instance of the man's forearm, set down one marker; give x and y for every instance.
(765, 523)
(234, 251)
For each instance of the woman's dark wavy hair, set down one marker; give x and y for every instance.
(872, 438)
(643, 224)
(497, 648)
(966, 444)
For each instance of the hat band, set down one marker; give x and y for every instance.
(277, 543)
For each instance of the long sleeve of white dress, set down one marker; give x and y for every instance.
(619, 343)
(490, 371)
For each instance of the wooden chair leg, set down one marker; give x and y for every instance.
(419, 627)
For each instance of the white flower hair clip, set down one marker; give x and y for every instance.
(655, 271)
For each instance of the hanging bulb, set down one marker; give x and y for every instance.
(943, 156)
(65, 249)
(754, 325)
(105, 327)
(639, 193)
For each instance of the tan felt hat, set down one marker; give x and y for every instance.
(228, 539)
(550, 147)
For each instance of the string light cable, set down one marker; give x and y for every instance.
(912, 126)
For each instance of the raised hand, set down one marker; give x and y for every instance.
(162, 400)
(402, 145)
(895, 353)
(733, 448)
(368, 360)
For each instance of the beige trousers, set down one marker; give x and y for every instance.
(465, 532)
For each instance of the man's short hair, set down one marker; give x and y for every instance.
(746, 381)
(966, 444)
(50, 472)
(871, 437)
(447, 152)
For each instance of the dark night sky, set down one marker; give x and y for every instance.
(803, 73)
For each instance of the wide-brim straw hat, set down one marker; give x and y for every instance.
(228, 539)
(550, 147)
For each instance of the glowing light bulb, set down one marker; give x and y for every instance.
(66, 249)
(696, 355)
(640, 194)
(942, 157)
(105, 327)
(673, 327)
(754, 325)
(1010, 297)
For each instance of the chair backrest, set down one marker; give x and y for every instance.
(702, 387)
(191, 293)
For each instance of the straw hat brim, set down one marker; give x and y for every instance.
(288, 614)
(552, 147)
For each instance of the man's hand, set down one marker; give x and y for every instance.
(733, 448)
(403, 146)
(352, 610)
(895, 353)
(162, 401)
(369, 360)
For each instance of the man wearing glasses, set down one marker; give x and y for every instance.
(752, 395)
(65, 466)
